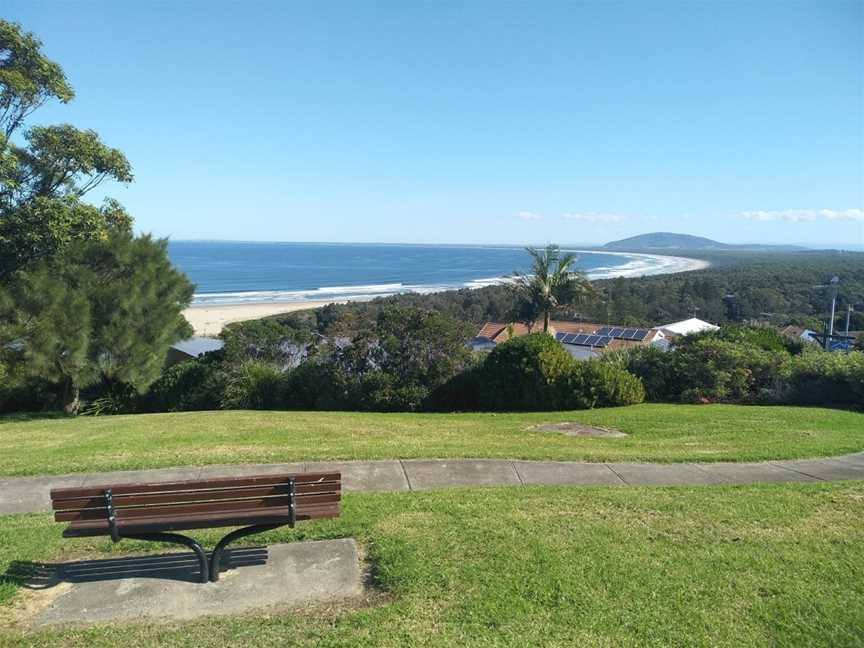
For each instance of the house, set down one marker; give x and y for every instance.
(191, 348)
(686, 327)
(581, 339)
(498, 332)
(799, 333)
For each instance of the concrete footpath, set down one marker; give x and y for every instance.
(31, 494)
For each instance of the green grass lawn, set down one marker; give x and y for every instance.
(712, 566)
(663, 433)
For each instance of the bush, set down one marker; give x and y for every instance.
(762, 337)
(523, 374)
(599, 384)
(24, 393)
(253, 385)
(707, 369)
(654, 367)
(316, 385)
(116, 398)
(819, 377)
(187, 386)
(459, 394)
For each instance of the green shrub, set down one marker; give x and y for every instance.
(116, 398)
(459, 394)
(187, 386)
(707, 369)
(20, 392)
(819, 377)
(523, 374)
(253, 384)
(654, 367)
(316, 385)
(762, 337)
(599, 384)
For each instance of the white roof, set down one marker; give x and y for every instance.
(685, 327)
(196, 346)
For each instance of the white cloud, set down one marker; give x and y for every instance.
(805, 215)
(594, 218)
(529, 216)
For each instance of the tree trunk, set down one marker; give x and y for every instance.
(546, 321)
(71, 398)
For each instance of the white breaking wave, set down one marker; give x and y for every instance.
(640, 265)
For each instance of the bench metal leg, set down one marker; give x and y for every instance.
(179, 539)
(216, 556)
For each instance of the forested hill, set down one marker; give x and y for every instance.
(683, 242)
(779, 288)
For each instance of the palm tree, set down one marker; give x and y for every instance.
(551, 284)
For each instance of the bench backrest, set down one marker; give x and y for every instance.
(199, 503)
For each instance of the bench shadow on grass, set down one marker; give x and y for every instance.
(175, 566)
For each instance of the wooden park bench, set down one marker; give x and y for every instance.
(155, 511)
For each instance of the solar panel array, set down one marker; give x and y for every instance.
(584, 339)
(620, 333)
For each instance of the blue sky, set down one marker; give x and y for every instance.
(473, 122)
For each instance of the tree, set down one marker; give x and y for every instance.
(81, 298)
(107, 313)
(552, 284)
(44, 177)
(50, 325)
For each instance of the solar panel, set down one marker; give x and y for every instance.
(581, 338)
(621, 333)
(560, 336)
(603, 341)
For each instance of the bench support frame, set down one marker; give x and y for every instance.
(209, 569)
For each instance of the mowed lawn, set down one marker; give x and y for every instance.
(712, 566)
(662, 433)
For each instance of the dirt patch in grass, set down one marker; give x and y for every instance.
(581, 430)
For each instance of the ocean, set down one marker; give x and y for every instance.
(239, 273)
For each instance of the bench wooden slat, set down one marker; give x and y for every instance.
(171, 510)
(191, 485)
(212, 520)
(120, 501)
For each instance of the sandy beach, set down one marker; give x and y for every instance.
(210, 319)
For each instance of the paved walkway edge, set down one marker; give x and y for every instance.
(31, 494)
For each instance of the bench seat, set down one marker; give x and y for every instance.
(154, 511)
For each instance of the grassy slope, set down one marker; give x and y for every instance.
(665, 433)
(731, 566)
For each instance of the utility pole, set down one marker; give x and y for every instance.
(834, 281)
(848, 315)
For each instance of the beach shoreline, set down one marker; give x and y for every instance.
(210, 319)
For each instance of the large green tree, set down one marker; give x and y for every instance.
(107, 313)
(82, 300)
(552, 284)
(46, 170)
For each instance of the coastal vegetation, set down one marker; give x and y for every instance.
(656, 432)
(83, 301)
(712, 566)
(414, 360)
